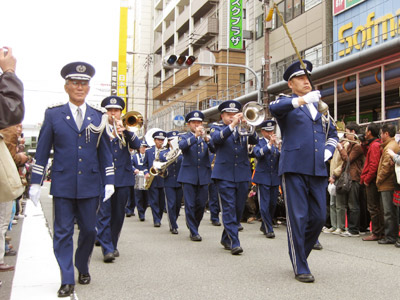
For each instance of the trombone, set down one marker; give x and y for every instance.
(130, 119)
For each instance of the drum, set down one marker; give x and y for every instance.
(140, 181)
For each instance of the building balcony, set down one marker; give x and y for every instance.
(183, 18)
(169, 32)
(202, 7)
(205, 30)
(157, 66)
(157, 43)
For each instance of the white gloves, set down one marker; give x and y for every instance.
(312, 97)
(108, 192)
(327, 155)
(34, 193)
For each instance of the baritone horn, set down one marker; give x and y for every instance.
(132, 119)
(253, 114)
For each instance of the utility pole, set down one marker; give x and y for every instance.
(146, 99)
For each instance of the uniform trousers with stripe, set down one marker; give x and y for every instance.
(305, 199)
(267, 198)
(233, 197)
(213, 202)
(195, 202)
(110, 219)
(174, 199)
(156, 202)
(65, 211)
(131, 204)
(141, 198)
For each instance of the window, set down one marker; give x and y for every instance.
(259, 26)
(281, 7)
(288, 10)
(242, 78)
(297, 8)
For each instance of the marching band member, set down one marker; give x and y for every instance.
(232, 171)
(308, 142)
(195, 172)
(173, 189)
(81, 154)
(156, 189)
(141, 196)
(111, 214)
(266, 175)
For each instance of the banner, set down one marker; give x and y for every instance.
(235, 24)
(340, 6)
(114, 76)
(123, 36)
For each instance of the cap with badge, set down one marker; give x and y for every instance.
(268, 125)
(78, 71)
(295, 69)
(172, 134)
(195, 115)
(113, 102)
(144, 144)
(230, 106)
(161, 135)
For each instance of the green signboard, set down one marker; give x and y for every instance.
(235, 24)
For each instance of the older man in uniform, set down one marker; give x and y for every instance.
(81, 154)
(309, 140)
(173, 189)
(195, 173)
(156, 189)
(266, 175)
(141, 196)
(111, 214)
(232, 171)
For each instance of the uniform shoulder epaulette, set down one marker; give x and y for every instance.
(283, 95)
(56, 105)
(98, 108)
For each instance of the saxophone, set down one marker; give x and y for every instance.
(159, 168)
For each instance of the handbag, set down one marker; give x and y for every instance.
(10, 182)
(343, 184)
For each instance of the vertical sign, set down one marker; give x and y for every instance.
(235, 24)
(114, 78)
(123, 36)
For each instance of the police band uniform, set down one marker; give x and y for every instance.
(173, 189)
(156, 189)
(308, 141)
(81, 154)
(266, 176)
(231, 172)
(111, 214)
(141, 196)
(195, 172)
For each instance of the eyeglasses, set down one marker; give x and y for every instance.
(76, 83)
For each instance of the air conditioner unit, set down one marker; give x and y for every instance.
(247, 34)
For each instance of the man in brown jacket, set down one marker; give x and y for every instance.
(385, 182)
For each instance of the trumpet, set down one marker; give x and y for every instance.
(253, 114)
(130, 119)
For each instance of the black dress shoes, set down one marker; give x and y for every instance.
(97, 243)
(386, 241)
(157, 224)
(262, 229)
(109, 257)
(174, 231)
(141, 219)
(270, 235)
(84, 278)
(65, 290)
(216, 223)
(240, 227)
(236, 250)
(196, 238)
(226, 246)
(116, 253)
(305, 278)
(318, 246)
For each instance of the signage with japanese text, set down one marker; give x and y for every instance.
(340, 6)
(235, 24)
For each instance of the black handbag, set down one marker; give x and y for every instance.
(343, 184)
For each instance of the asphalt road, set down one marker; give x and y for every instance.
(154, 264)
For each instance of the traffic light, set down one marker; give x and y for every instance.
(178, 62)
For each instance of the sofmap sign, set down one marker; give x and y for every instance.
(235, 24)
(340, 6)
(371, 23)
